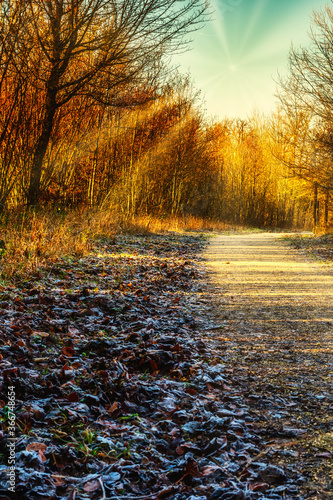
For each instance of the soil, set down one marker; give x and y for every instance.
(274, 306)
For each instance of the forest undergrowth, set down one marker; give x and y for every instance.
(33, 241)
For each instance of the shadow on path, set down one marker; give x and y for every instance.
(275, 308)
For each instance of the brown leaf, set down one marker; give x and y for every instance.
(190, 390)
(92, 486)
(103, 374)
(58, 480)
(40, 334)
(259, 487)
(210, 470)
(36, 447)
(184, 447)
(68, 351)
(153, 365)
(113, 407)
(191, 469)
(73, 331)
(76, 365)
(73, 397)
(176, 348)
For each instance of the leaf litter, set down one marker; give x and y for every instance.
(127, 388)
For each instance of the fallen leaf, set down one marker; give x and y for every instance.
(42, 456)
(262, 487)
(92, 486)
(68, 351)
(73, 397)
(40, 334)
(36, 447)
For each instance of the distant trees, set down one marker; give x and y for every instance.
(252, 185)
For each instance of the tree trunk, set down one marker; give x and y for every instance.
(40, 151)
(327, 198)
(315, 207)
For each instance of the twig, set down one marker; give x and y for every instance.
(261, 454)
(143, 497)
(153, 496)
(103, 489)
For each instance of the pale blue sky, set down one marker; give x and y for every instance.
(236, 57)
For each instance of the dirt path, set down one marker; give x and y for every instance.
(275, 306)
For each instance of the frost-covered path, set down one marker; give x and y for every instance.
(275, 306)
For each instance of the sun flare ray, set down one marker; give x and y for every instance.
(243, 48)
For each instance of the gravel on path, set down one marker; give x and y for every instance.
(275, 307)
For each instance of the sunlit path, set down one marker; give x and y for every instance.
(275, 310)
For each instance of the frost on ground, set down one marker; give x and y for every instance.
(276, 314)
(137, 378)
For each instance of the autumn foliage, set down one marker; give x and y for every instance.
(79, 130)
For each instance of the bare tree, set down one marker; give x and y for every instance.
(311, 68)
(306, 96)
(103, 49)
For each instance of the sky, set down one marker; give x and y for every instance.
(235, 59)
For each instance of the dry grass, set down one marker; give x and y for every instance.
(316, 246)
(146, 224)
(35, 240)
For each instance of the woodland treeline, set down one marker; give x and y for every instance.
(92, 116)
